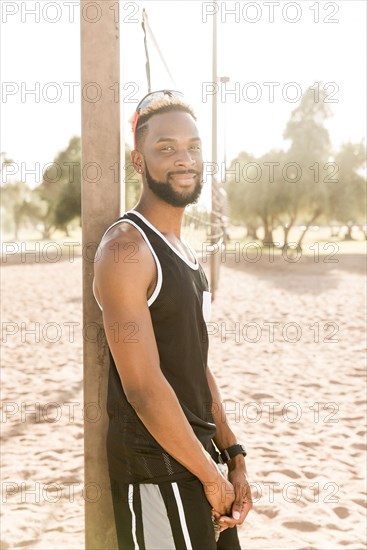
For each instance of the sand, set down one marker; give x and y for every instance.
(291, 372)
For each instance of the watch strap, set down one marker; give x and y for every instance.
(231, 452)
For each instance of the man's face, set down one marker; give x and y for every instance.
(173, 158)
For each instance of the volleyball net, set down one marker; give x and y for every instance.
(204, 226)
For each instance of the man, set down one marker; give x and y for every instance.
(163, 402)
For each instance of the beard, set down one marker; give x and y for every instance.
(166, 192)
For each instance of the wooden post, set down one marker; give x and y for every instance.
(100, 68)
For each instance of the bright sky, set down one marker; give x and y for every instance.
(254, 47)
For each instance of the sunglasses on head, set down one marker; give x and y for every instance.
(150, 98)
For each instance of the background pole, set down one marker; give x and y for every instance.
(100, 69)
(214, 209)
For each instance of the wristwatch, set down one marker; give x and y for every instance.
(231, 452)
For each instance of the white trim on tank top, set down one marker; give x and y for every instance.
(188, 262)
(159, 268)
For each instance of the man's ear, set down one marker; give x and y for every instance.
(138, 161)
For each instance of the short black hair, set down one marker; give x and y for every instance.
(157, 108)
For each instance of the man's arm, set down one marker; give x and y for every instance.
(122, 280)
(236, 466)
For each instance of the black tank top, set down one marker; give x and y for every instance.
(179, 308)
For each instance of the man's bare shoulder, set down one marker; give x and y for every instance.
(124, 242)
(124, 260)
(122, 231)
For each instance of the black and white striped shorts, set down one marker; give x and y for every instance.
(166, 516)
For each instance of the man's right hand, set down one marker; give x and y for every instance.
(220, 494)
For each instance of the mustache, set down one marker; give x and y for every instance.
(178, 172)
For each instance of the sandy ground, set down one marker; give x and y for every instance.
(292, 374)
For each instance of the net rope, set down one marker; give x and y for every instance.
(199, 225)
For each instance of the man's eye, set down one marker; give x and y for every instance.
(196, 147)
(167, 148)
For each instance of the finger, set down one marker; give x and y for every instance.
(247, 505)
(242, 504)
(245, 508)
(226, 521)
(231, 521)
(223, 525)
(215, 517)
(237, 508)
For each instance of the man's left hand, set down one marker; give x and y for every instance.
(242, 503)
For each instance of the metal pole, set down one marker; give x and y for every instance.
(213, 257)
(224, 80)
(100, 68)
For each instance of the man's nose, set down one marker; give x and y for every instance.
(184, 158)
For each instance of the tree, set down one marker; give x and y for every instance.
(253, 192)
(347, 196)
(58, 197)
(57, 200)
(239, 193)
(13, 200)
(68, 203)
(61, 191)
(309, 153)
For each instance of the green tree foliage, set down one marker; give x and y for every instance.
(56, 202)
(20, 205)
(68, 203)
(60, 190)
(59, 194)
(347, 196)
(253, 192)
(13, 199)
(302, 185)
(310, 149)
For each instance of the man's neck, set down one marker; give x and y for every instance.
(166, 218)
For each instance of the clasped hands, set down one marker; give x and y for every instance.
(241, 501)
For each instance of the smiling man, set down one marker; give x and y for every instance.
(169, 490)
